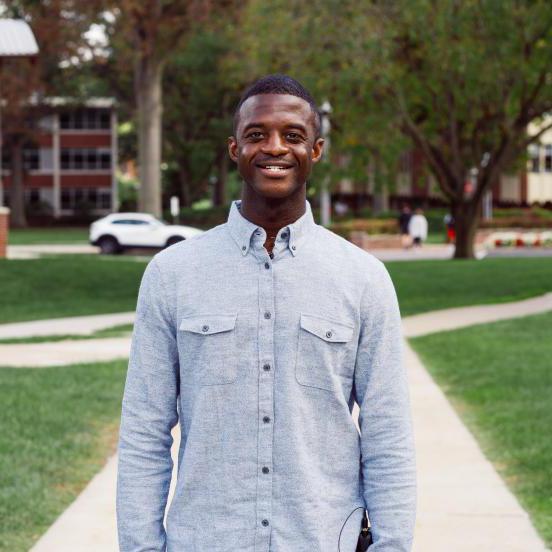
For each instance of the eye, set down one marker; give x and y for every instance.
(293, 136)
(255, 135)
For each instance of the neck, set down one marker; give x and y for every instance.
(272, 214)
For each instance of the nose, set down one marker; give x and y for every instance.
(274, 145)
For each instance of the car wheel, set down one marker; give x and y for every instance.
(109, 245)
(174, 239)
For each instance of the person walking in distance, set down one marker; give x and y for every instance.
(404, 218)
(257, 337)
(417, 227)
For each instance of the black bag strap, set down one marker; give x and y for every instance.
(365, 535)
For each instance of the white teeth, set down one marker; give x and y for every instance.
(273, 168)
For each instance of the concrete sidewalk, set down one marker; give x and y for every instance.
(64, 353)
(106, 349)
(35, 251)
(451, 319)
(74, 325)
(428, 252)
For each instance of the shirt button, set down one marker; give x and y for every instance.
(267, 265)
(293, 247)
(205, 328)
(244, 248)
(271, 255)
(265, 522)
(266, 419)
(267, 315)
(266, 367)
(265, 469)
(329, 333)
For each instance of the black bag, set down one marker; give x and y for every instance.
(365, 536)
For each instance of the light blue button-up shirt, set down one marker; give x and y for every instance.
(260, 359)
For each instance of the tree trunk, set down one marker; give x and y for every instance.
(148, 75)
(17, 192)
(466, 217)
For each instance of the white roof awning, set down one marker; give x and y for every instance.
(16, 39)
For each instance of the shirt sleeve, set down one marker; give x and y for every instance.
(387, 443)
(149, 412)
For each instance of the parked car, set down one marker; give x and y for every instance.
(118, 231)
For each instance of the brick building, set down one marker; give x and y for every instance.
(70, 168)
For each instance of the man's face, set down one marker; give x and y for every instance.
(275, 145)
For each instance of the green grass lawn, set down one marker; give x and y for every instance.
(499, 378)
(57, 427)
(55, 287)
(31, 236)
(424, 286)
(73, 285)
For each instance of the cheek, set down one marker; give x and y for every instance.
(303, 155)
(247, 150)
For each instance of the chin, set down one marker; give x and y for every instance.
(275, 188)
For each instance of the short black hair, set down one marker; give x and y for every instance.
(279, 84)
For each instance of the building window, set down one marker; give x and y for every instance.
(85, 119)
(31, 159)
(548, 158)
(32, 196)
(104, 199)
(534, 161)
(66, 199)
(92, 198)
(85, 159)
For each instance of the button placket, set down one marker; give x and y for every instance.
(266, 402)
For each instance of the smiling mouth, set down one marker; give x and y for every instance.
(274, 168)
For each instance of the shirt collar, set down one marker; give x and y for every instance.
(242, 229)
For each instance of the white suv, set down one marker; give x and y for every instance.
(118, 231)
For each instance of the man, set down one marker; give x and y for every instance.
(404, 220)
(258, 337)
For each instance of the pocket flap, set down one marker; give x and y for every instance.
(328, 330)
(207, 324)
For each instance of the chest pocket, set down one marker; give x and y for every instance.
(208, 348)
(321, 351)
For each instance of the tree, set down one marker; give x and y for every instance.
(155, 29)
(200, 91)
(465, 79)
(323, 43)
(59, 27)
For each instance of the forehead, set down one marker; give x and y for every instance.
(275, 109)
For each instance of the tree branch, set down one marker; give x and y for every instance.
(441, 169)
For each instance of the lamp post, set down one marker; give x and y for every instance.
(325, 198)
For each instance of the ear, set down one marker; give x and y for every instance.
(317, 149)
(233, 148)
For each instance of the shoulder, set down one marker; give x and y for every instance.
(181, 254)
(349, 256)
